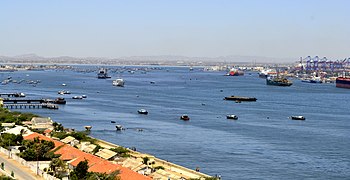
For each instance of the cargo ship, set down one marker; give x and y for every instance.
(342, 82)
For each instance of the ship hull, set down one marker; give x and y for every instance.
(342, 83)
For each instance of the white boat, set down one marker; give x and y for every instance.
(232, 116)
(142, 111)
(118, 82)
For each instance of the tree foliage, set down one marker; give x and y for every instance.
(37, 150)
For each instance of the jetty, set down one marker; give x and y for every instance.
(26, 104)
(12, 94)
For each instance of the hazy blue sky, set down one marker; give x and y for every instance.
(273, 28)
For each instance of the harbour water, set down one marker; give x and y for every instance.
(262, 144)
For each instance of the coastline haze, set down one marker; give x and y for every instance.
(283, 31)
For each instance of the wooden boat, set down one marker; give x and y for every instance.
(185, 118)
(240, 98)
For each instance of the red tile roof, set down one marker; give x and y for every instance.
(96, 164)
(42, 137)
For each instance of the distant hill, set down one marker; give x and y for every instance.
(143, 60)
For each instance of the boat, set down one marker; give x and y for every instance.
(88, 128)
(240, 98)
(118, 82)
(234, 72)
(267, 72)
(84, 96)
(232, 116)
(20, 95)
(112, 121)
(119, 127)
(278, 81)
(77, 97)
(298, 118)
(185, 117)
(342, 82)
(63, 92)
(102, 74)
(60, 100)
(312, 80)
(142, 111)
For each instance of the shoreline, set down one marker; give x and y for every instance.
(177, 169)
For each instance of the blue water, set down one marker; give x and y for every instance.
(262, 144)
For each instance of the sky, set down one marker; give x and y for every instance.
(195, 28)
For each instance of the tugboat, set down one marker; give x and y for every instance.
(234, 72)
(238, 99)
(185, 117)
(278, 81)
(143, 111)
(232, 116)
(102, 74)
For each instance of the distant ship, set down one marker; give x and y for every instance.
(278, 81)
(102, 74)
(342, 82)
(234, 72)
(266, 72)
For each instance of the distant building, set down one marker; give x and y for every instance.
(40, 123)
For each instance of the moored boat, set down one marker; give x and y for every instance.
(342, 82)
(234, 72)
(142, 111)
(278, 81)
(232, 116)
(298, 118)
(185, 117)
(240, 98)
(118, 82)
(102, 74)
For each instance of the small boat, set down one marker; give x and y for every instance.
(119, 127)
(185, 118)
(84, 96)
(102, 74)
(63, 92)
(60, 100)
(112, 121)
(77, 97)
(88, 128)
(298, 118)
(232, 116)
(118, 82)
(142, 111)
(64, 84)
(240, 98)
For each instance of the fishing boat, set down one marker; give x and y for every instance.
(102, 74)
(185, 117)
(298, 118)
(232, 116)
(342, 82)
(278, 81)
(240, 98)
(143, 111)
(118, 82)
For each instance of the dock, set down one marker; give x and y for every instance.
(27, 104)
(12, 95)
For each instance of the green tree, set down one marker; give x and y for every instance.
(81, 171)
(56, 165)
